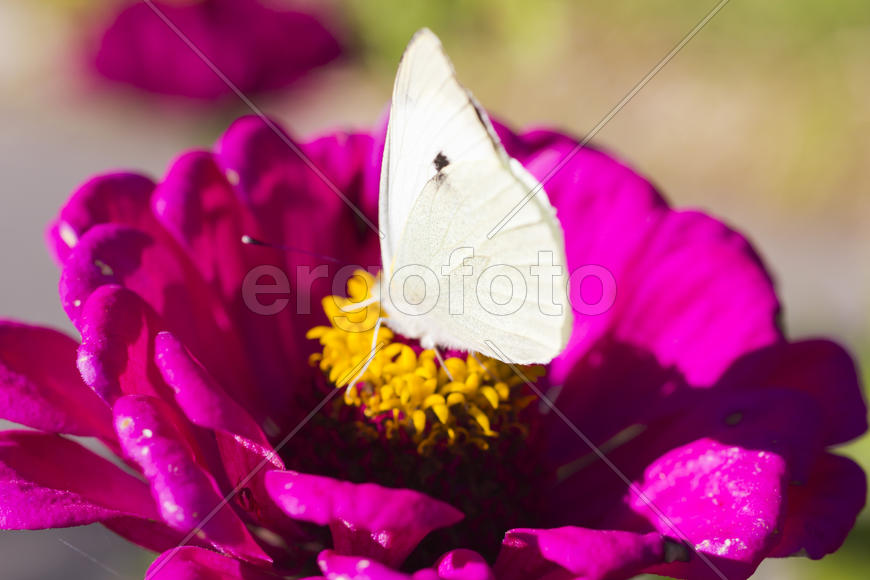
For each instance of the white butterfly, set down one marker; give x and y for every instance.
(446, 182)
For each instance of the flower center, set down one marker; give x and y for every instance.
(462, 430)
(407, 392)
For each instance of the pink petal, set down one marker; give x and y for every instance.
(117, 341)
(365, 519)
(196, 204)
(186, 494)
(50, 397)
(698, 297)
(581, 553)
(120, 198)
(691, 302)
(725, 500)
(774, 411)
(204, 401)
(259, 46)
(455, 565)
(358, 171)
(690, 296)
(341, 567)
(47, 481)
(463, 565)
(661, 261)
(142, 256)
(614, 387)
(109, 255)
(288, 196)
(243, 448)
(689, 463)
(191, 563)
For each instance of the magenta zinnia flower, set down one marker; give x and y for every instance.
(258, 46)
(714, 431)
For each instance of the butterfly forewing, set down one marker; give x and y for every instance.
(446, 183)
(433, 122)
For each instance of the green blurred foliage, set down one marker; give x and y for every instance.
(802, 24)
(808, 54)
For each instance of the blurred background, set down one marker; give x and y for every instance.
(763, 120)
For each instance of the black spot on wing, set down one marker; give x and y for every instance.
(440, 161)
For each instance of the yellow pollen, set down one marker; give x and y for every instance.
(405, 391)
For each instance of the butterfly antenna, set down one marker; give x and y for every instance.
(362, 371)
(483, 366)
(354, 306)
(441, 360)
(248, 240)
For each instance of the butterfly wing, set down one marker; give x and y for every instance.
(433, 120)
(446, 183)
(492, 296)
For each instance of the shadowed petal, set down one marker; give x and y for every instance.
(822, 510)
(196, 204)
(152, 534)
(294, 205)
(50, 397)
(191, 563)
(820, 368)
(47, 481)
(288, 194)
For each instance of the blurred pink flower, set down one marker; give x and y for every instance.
(687, 382)
(257, 45)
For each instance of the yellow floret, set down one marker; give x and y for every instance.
(465, 401)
